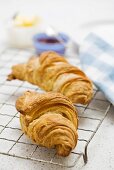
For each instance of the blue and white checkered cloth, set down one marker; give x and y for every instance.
(97, 60)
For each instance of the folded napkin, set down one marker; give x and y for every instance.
(97, 60)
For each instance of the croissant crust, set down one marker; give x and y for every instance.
(49, 119)
(52, 72)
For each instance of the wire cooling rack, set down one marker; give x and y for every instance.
(14, 143)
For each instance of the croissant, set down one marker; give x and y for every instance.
(49, 119)
(51, 72)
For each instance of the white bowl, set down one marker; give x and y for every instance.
(21, 37)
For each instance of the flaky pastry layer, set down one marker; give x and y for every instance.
(52, 72)
(49, 119)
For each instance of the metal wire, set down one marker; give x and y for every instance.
(93, 113)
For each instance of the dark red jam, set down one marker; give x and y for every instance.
(49, 40)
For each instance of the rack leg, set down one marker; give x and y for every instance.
(85, 156)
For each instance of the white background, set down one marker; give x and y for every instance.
(76, 17)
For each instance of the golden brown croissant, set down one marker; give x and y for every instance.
(52, 72)
(49, 119)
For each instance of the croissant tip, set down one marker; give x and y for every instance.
(10, 77)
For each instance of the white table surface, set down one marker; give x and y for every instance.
(77, 18)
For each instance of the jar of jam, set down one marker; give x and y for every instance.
(43, 42)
